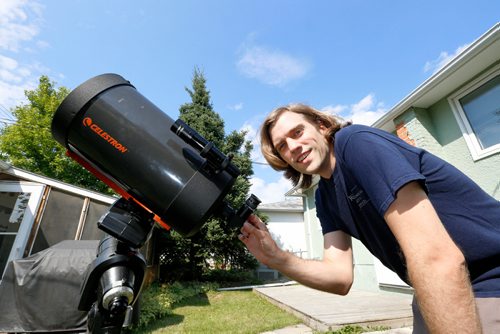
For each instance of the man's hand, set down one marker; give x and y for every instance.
(333, 273)
(258, 240)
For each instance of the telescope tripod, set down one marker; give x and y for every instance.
(114, 279)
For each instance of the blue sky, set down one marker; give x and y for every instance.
(354, 58)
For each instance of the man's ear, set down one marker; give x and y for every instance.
(322, 127)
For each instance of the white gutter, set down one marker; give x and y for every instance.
(54, 183)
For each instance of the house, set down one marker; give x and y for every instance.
(37, 212)
(454, 114)
(286, 225)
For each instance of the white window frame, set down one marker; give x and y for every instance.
(22, 235)
(469, 135)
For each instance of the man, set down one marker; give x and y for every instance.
(419, 215)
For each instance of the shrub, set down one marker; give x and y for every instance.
(229, 278)
(157, 300)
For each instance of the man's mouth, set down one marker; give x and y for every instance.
(303, 156)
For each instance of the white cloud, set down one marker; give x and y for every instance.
(270, 192)
(366, 111)
(20, 22)
(335, 110)
(252, 134)
(10, 95)
(443, 59)
(42, 44)
(14, 80)
(271, 67)
(7, 63)
(236, 107)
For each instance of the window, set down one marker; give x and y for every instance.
(62, 215)
(477, 109)
(95, 211)
(19, 203)
(60, 219)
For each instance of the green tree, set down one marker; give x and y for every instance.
(28, 143)
(216, 243)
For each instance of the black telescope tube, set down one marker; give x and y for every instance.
(80, 97)
(119, 133)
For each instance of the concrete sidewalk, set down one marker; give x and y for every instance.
(323, 311)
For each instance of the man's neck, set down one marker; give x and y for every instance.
(329, 166)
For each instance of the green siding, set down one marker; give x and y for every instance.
(365, 277)
(436, 130)
(314, 235)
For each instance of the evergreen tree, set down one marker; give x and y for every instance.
(28, 143)
(216, 243)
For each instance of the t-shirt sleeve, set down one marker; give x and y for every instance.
(381, 165)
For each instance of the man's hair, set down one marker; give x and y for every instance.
(330, 122)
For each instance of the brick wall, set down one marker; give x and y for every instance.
(402, 132)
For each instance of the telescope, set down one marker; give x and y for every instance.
(167, 174)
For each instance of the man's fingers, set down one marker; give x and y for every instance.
(253, 227)
(254, 220)
(247, 228)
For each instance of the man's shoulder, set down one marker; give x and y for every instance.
(357, 128)
(354, 130)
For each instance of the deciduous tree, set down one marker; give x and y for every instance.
(28, 143)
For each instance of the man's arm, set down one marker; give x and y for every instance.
(436, 266)
(334, 273)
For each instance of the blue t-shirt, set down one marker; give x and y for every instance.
(371, 166)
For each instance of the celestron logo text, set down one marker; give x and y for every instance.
(87, 121)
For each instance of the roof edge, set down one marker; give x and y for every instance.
(14, 171)
(446, 71)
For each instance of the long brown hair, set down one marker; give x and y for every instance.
(331, 122)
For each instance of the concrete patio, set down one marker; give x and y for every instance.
(323, 311)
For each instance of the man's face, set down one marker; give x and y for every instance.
(302, 144)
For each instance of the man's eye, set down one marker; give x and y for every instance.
(297, 133)
(280, 147)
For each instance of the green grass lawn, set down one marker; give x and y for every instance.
(222, 312)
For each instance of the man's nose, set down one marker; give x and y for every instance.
(292, 144)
